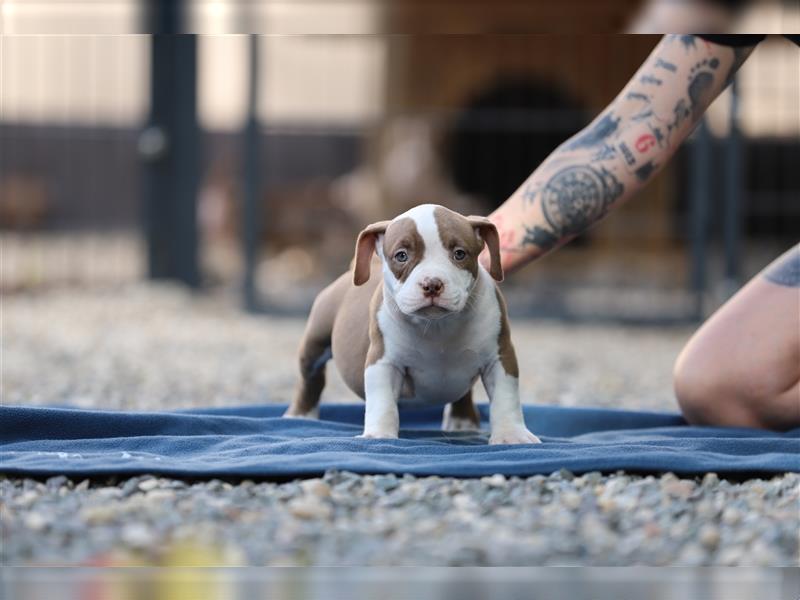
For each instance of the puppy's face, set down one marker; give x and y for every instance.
(430, 258)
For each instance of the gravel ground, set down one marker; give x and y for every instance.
(144, 347)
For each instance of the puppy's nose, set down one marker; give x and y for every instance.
(432, 286)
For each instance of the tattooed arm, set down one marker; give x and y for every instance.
(598, 169)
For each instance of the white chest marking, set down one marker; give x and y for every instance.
(443, 358)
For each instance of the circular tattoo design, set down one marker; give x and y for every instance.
(576, 197)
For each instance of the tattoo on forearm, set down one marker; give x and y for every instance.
(603, 129)
(701, 81)
(539, 237)
(785, 270)
(572, 200)
(578, 196)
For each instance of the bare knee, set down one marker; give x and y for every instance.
(695, 393)
(710, 393)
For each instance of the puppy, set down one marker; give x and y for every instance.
(419, 333)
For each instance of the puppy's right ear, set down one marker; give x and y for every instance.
(365, 246)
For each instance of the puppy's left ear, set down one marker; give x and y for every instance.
(488, 232)
(365, 246)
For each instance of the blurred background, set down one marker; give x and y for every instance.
(171, 204)
(249, 163)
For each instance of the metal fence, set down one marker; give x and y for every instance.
(143, 191)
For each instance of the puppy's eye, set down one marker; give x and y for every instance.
(459, 254)
(401, 256)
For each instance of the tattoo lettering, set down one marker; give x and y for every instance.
(666, 65)
(649, 79)
(578, 196)
(539, 237)
(644, 172)
(626, 152)
(637, 96)
(604, 128)
(642, 115)
(644, 143)
(785, 270)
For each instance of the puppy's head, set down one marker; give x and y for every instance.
(430, 258)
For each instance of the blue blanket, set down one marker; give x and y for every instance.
(254, 442)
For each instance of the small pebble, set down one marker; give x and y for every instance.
(148, 484)
(308, 508)
(571, 500)
(731, 516)
(316, 487)
(497, 480)
(709, 537)
(36, 521)
(678, 488)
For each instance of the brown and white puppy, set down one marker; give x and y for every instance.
(423, 332)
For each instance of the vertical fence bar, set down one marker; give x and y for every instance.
(732, 198)
(251, 209)
(170, 148)
(700, 167)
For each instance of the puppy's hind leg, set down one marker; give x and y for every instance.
(315, 351)
(461, 415)
(313, 357)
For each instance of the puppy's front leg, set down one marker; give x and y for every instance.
(382, 383)
(505, 412)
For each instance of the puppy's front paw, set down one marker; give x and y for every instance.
(513, 435)
(378, 435)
